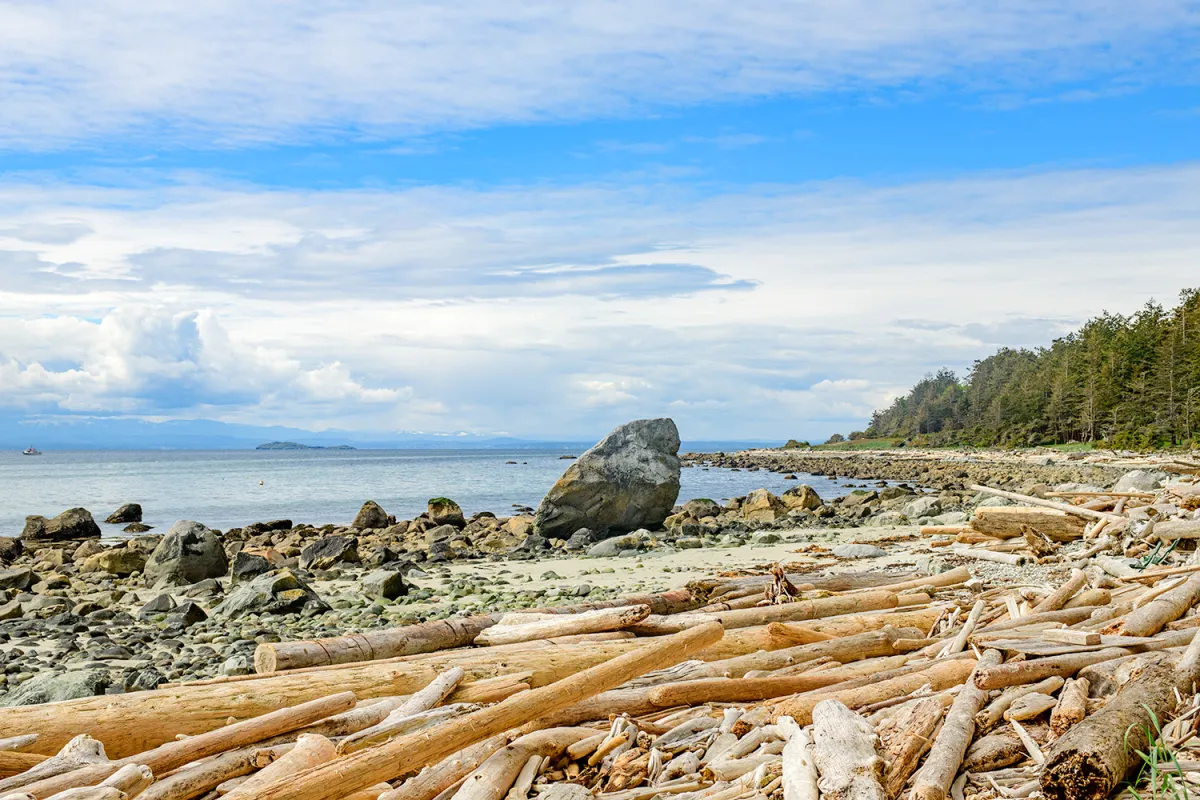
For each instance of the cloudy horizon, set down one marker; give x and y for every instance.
(764, 221)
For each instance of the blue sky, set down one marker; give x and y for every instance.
(763, 219)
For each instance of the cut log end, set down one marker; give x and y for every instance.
(1077, 776)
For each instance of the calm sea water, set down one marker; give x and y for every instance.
(222, 488)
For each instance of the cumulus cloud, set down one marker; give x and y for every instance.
(562, 310)
(229, 71)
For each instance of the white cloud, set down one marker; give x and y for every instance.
(789, 311)
(222, 71)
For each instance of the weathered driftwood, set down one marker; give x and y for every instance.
(81, 750)
(1059, 597)
(12, 763)
(380, 763)
(1171, 529)
(799, 776)
(1066, 508)
(429, 637)
(907, 738)
(1089, 760)
(446, 773)
(171, 755)
(941, 675)
(1154, 616)
(492, 779)
(994, 712)
(932, 781)
(597, 621)
(799, 610)
(994, 751)
(845, 755)
(1072, 706)
(197, 780)
(311, 749)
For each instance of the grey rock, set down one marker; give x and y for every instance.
(580, 540)
(186, 614)
(387, 584)
(11, 610)
(441, 533)
(371, 515)
(922, 507)
(248, 565)
(189, 553)
(10, 548)
(237, 665)
(53, 688)
(858, 551)
(628, 480)
(143, 680)
(607, 548)
(1138, 480)
(130, 512)
(278, 592)
(444, 511)
(330, 550)
(161, 604)
(766, 537)
(71, 525)
(17, 578)
(702, 507)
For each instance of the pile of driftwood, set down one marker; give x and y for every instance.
(779, 685)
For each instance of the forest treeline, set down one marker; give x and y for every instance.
(1119, 381)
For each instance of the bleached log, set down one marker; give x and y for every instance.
(598, 621)
(310, 750)
(933, 780)
(907, 738)
(196, 780)
(844, 752)
(994, 712)
(493, 778)
(1071, 707)
(799, 768)
(80, 751)
(1154, 616)
(446, 773)
(1059, 597)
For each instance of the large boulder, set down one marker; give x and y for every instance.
(762, 506)
(71, 525)
(52, 688)
(1138, 481)
(802, 497)
(329, 550)
(629, 480)
(189, 553)
(444, 511)
(10, 548)
(371, 515)
(130, 512)
(278, 592)
(19, 579)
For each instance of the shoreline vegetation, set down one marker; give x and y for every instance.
(298, 446)
(1124, 382)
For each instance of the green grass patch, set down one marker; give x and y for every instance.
(862, 444)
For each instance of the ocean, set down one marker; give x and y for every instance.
(225, 489)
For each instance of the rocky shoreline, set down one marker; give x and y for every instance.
(87, 617)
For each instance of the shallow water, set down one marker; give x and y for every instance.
(225, 489)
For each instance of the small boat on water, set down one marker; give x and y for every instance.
(31, 451)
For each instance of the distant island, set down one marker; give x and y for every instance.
(298, 446)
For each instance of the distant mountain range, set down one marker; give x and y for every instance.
(101, 433)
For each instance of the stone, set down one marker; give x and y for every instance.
(858, 551)
(609, 547)
(386, 584)
(894, 492)
(71, 525)
(89, 548)
(802, 497)
(766, 537)
(143, 680)
(441, 533)
(137, 527)
(10, 548)
(330, 550)
(1139, 480)
(628, 480)
(161, 604)
(248, 565)
(922, 507)
(237, 665)
(762, 506)
(701, 507)
(371, 515)
(51, 688)
(444, 511)
(11, 610)
(278, 592)
(17, 578)
(130, 512)
(189, 553)
(859, 498)
(580, 540)
(187, 614)
(116, 561)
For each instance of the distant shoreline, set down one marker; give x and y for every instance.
(298, 446)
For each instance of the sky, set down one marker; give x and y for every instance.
(764, 219)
